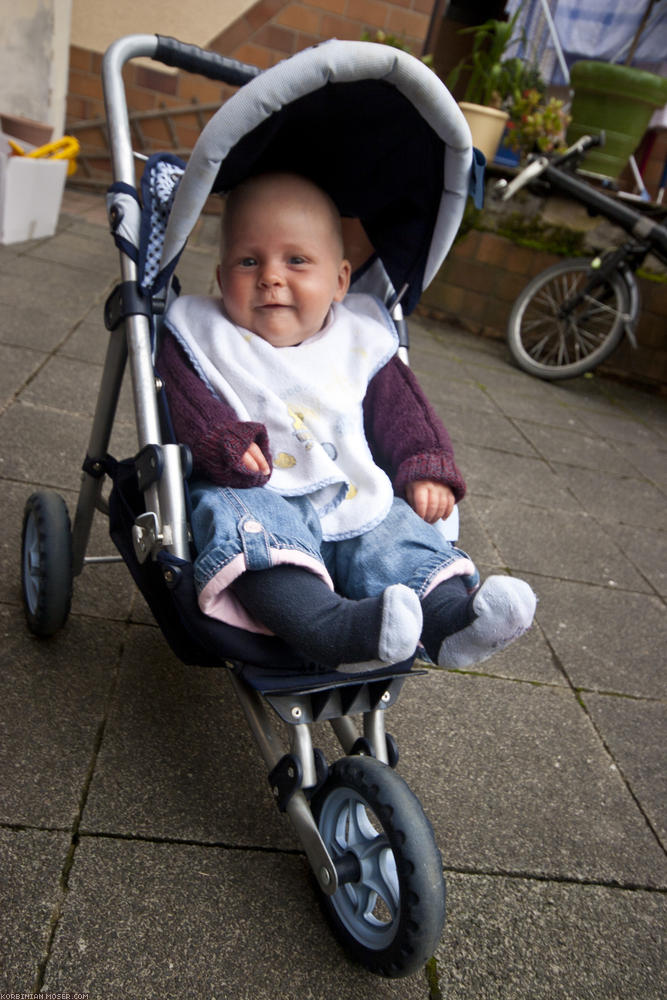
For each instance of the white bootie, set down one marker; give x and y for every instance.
(400, 631)
(505, 608)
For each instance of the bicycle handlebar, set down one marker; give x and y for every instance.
(639, 226)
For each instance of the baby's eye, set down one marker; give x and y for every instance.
(247, 262)
(297, 259)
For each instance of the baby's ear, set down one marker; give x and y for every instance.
(344, 274)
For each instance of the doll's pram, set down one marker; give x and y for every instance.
(376, 129)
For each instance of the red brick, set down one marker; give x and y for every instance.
(272, 36)
(466, 248)
(231, 38)
(409, 23)
(80, 59)
(256, 55)
(329, 6)
(301, 18)
(152, 79)
(493, 249)
(371, 12)
(263, 11)
(340, 27)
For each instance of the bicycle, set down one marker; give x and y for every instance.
(573, 315)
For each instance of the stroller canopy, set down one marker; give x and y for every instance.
(371, 125)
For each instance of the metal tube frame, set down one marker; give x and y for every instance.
(132, 342)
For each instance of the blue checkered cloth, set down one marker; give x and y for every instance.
(591, 29)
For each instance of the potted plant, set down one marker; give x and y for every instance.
(492, 80)
(536, 125)
(616, 99)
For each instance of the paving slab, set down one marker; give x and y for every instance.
(177, 760)
(53, 696)
(624, 499)
(645, 548)
(17, 365)
(168, 921)
(48, 446)
(605, 639)
(533, 940)
(574, 447)
(651, 462)
(70, 385)
(493, 472)
(31, 863)
(635, 730)
(515, 780)
(555, 543)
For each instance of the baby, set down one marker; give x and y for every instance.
(318, 462)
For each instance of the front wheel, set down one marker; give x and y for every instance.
(390, 911)
(46, 562)
(567, 320)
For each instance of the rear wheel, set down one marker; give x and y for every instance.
(390, 911)
(46, 562)
(565, 322)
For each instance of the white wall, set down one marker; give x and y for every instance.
(97, 23)
(34, 41)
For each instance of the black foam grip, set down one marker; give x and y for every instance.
(191, 58)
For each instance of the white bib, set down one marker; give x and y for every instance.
(309, 397)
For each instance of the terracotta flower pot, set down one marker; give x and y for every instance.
(487, 126)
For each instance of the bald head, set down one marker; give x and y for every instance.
(267, 191)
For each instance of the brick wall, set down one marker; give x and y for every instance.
(268, 32)
(484, 273)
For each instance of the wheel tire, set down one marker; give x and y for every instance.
(391, 917)
(46, 562)
(551, 346)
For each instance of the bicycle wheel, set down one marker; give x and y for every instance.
(46, 562)
(390, 914)
(561, 325)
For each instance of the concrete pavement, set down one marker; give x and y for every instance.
(140, 852)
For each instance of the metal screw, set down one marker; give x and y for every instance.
(169, 575)
(290, 772)
(386, 697)
(296, 712)
(325, 876)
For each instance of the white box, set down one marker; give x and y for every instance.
(31, 192)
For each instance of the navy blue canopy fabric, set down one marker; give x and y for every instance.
(372, 125)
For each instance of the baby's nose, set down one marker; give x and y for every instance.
(271, 275)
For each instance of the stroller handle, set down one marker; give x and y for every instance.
(170, 52)
(192, 59)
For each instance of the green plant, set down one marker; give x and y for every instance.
(490, 74)
(536, 125)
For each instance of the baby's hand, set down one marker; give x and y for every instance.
(432, 501)
(254, 460)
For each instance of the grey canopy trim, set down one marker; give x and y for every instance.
(324, 68)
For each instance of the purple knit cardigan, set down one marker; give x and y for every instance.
(406, 437)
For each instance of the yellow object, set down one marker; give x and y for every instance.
(66, 148)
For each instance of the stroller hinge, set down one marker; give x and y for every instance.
(127, 299)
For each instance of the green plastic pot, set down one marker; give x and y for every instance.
(618, 100)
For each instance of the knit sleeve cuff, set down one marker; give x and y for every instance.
(221, 451)
(436, 466)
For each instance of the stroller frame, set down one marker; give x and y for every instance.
(354, 864)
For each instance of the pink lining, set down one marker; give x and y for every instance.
(217, 601)
(460, 567)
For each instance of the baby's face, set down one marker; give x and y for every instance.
(281, 265)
